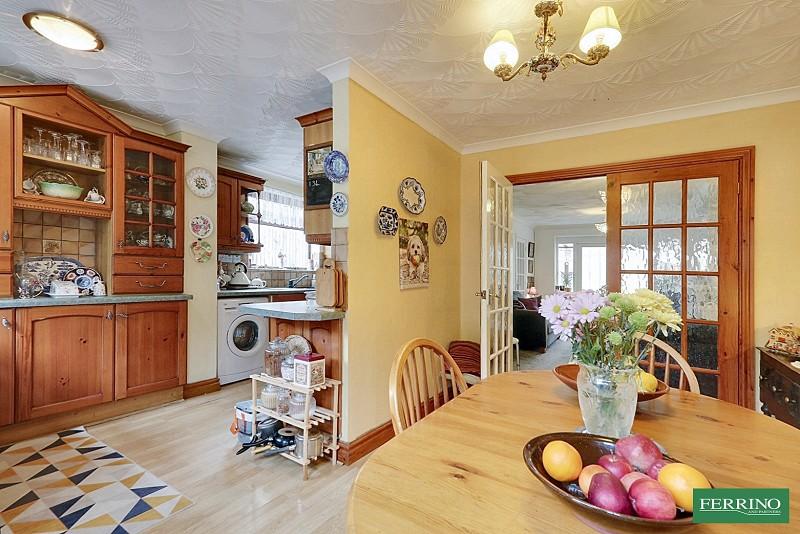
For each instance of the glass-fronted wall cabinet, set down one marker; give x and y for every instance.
(150, 197)
(61, 166)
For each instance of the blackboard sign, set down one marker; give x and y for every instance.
(318, 188)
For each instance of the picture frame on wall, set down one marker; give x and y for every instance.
(318, 190)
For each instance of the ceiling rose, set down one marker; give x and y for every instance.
(600, 36)
(63, 31)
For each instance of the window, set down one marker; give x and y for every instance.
(564, 265)
(281, 232)
(520, 266)
(581, 263)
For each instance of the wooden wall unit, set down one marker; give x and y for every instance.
(317, 133)
(232, 189)
(64, 359)
(150, 350)
(6, 207)
(6, 366)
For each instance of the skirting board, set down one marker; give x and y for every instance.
(195, 389)
(352, 451)
(93, 414)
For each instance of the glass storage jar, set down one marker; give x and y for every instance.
(276, 351)
(297, 405)
(282, 406)
(269, 397)
(287, 368)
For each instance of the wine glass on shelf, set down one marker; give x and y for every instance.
(83, 153)
(96, 159)
(39, 149)
(55, 148)
(71, 147)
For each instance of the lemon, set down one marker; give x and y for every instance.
(562, 461)
(647, 382)
(681, 480)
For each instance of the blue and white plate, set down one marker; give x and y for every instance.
(336, 166)
(85, 278)
(247, 235)
(387, 220)
(339, 204)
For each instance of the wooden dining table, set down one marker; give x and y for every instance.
(461, 468)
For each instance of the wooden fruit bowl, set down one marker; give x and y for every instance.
(568, 374)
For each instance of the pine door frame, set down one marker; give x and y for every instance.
(744, 157)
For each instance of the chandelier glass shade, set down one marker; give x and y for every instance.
(600, 36)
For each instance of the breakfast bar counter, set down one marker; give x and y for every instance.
(292, 311)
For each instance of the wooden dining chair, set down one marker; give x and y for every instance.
(424, 376)
(687, 378)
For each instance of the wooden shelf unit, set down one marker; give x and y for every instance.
(317, 135)
(233, 187)
(321, 415)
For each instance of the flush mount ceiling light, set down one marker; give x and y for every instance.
(63, 31)
(600, 36)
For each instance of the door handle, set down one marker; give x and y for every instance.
(6, 236)
(109, 315)
(6, 323)
(122, 315)
(151, 286)
(151, 267)
(481, 294)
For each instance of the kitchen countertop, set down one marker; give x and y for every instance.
(74, 301)
(260, 291)
(294, 311)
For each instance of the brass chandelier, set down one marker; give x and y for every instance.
(600, 36)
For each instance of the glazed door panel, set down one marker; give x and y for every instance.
(496, 272)
(64, 359)
(150, 347)
(6, 177)
(6, 367)
(227, 219)
(675, 230)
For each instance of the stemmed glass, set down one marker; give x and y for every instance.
(83, 154)
(39, 149)
(71, 148)
(55, 149)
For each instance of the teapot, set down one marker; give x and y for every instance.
(239, 279)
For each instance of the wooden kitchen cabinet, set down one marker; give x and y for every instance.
(64, 358)
(150, 350)
(6, 366)
(317, 189)
(233, 187)
(6, 179)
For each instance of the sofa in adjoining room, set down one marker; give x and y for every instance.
(532, 330)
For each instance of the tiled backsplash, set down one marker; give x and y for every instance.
(50, 234)
(277, 277)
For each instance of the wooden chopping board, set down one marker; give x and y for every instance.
(327, 284)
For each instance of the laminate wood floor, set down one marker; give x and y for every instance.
(187, 444)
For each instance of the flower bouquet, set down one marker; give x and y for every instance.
(604, 331)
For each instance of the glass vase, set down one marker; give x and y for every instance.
(607, 398)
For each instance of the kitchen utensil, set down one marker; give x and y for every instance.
(239, 279)
(276, 350)
(327, 284)
(314, 444)
(285, 437)
(591, 447)
(568, 374)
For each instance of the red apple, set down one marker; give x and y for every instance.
(652, 500)
(607, 492)
(616, 465)
(654, 469)
(640, 451)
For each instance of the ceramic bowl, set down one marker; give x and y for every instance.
(591, 447)
(568, 374)
(50, 189)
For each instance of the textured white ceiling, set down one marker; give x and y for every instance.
(560, 203)
(241, 70)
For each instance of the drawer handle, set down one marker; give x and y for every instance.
(6, 323)
(122, 315)
(151, 286)
(151, 267)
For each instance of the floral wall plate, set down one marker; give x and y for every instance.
(412, 195)
(337, 169)
(339, 204)
(202, 251)
(439, 230)
(201, 182)
(201, 226)
(387, 220)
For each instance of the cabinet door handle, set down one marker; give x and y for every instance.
(122, 315)
(120, 243)
(151, 286)
(151, 267)
(6, 236)
(109, 315)
(6, 323)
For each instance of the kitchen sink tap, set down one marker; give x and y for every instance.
(294, 281)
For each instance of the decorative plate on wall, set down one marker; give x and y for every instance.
(337, 169)
(439, 230)
(201, 182)
(387, 220)
(412, 195)
(202, 251)
(201, 226)
(339, 204)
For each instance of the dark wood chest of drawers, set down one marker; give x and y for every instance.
(779, 387)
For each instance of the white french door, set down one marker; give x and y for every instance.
(497, 255)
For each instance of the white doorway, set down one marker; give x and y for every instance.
(581, 262)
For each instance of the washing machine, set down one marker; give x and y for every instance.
(241, 341)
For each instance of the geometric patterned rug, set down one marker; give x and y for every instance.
(71, 482)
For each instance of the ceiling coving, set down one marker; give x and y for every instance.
(241, 70)
(600, 36)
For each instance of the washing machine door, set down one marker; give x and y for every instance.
(247, 335)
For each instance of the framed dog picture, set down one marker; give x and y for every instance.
(415, 269)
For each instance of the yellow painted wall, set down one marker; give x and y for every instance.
(385, 147)
(775, 132)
